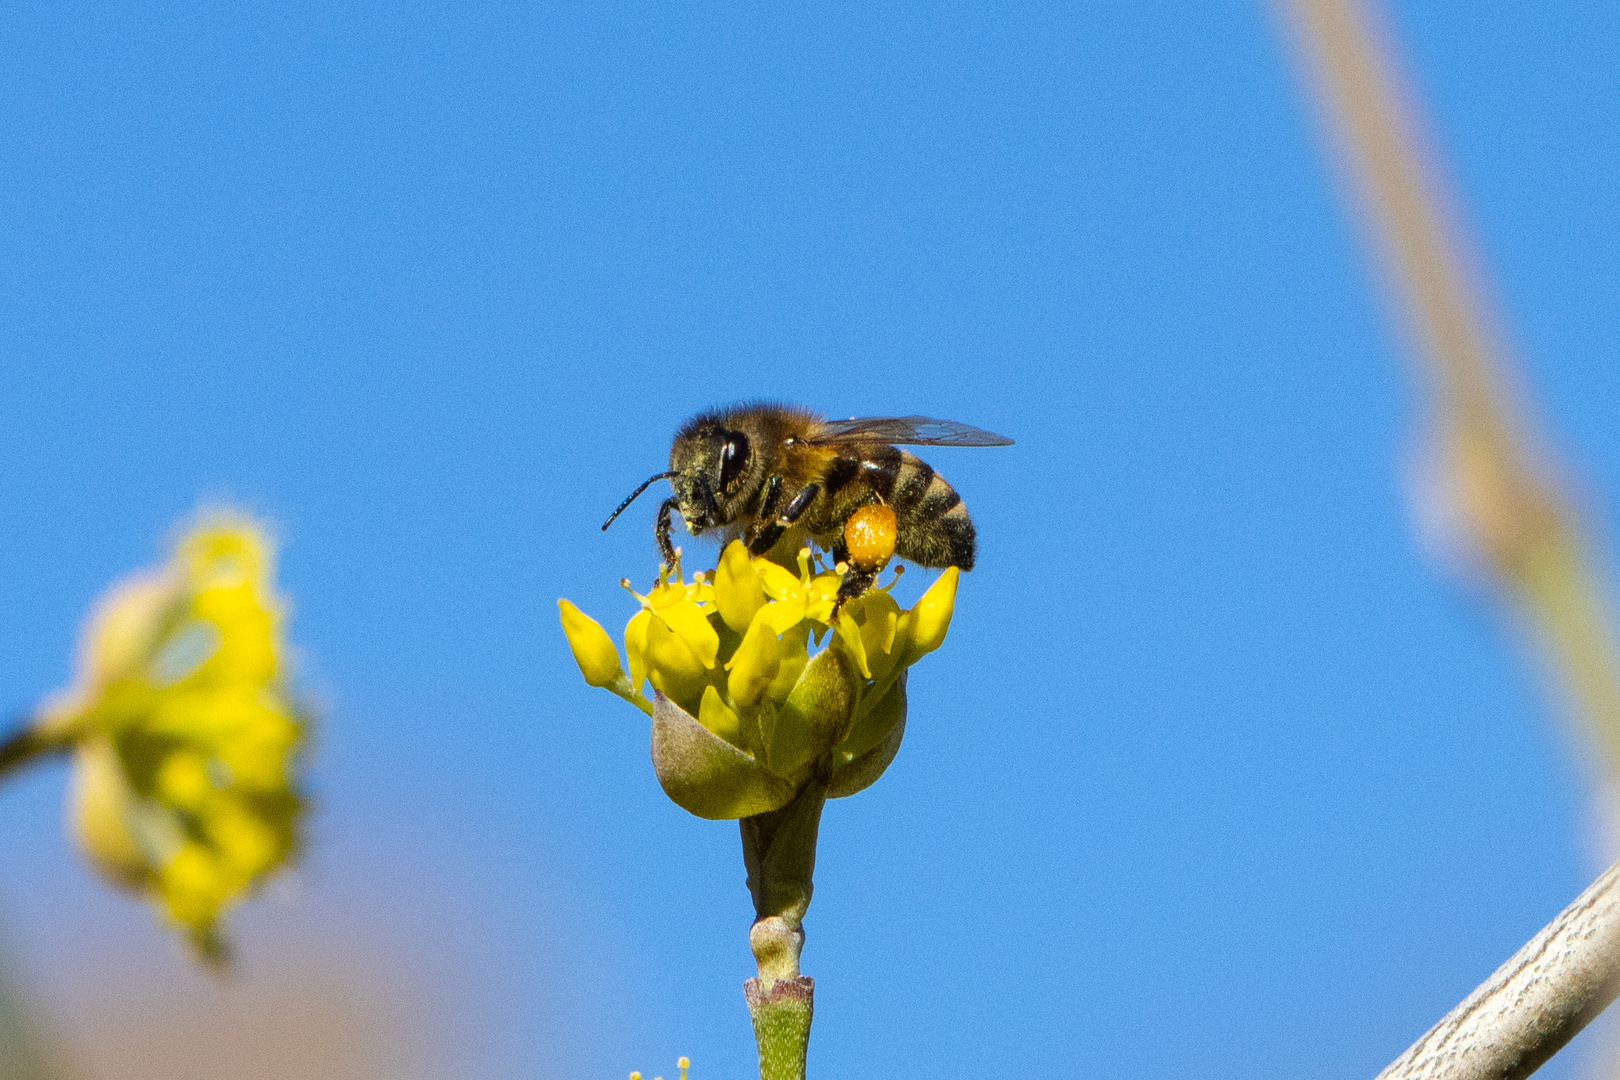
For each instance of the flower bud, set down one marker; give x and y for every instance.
(594, 651)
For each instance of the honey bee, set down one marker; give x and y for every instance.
(776, 475)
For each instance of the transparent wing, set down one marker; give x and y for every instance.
(906, 430)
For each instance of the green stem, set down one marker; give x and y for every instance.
(26, 745)
(781, 1018)
(779, 849)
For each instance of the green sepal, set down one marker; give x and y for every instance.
(705, 775)
(815, 715)
(858, 761)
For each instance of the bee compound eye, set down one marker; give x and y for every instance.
(733, 459)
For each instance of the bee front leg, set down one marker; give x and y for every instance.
(769, 531)
(666, 550)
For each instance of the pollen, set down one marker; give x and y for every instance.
(869, 536)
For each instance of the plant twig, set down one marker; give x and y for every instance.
(1534, 1004)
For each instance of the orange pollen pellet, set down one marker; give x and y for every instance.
(870, 535)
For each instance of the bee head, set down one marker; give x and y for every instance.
(709, 465)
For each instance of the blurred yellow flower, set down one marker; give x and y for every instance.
(185, 738)
(743, 714)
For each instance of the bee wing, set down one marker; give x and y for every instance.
(906, 430)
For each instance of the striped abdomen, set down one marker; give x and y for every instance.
(935, 529)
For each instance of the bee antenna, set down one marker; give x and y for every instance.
(647, 484)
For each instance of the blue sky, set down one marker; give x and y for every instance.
(1217, 771)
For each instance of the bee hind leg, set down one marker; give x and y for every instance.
(856, 582)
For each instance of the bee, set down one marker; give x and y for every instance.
(776, 475)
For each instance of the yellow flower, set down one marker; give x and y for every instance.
(796, 599)
(743, 714)
(671, 641)
(185, 736)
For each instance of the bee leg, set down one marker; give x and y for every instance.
(666, 550)
(856, 582)
(771, 531)
(773, 495)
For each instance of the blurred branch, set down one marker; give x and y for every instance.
(24, 745)
(1534, 1004)
(1497, 496)
(1498, 503)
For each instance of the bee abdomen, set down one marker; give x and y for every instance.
(935, 529)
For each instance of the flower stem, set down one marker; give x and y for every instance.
(779, 849)
(25, 745)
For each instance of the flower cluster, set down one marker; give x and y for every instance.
(743, 714)
(184, 735)
(682, 1064)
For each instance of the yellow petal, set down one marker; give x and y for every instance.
(124, 627)
(594, 651)
(246, 653)
(102, 812)
(849, 637)
(247, 846)
(183, 781)
(737, 589)
(193, 886)
(755, 663)
(635, 648)
(692, 624)
(877, 616)
(718, 718)
(793, 653)
(700, 592)
(781, 615)
(778, 582)
(672, 667)
(258, 757)
(931, 615)
(225, 549)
